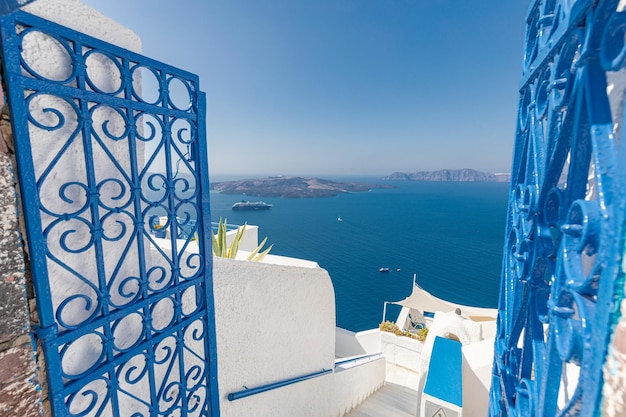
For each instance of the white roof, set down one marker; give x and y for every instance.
(422, 300)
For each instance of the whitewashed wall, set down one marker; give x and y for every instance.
(353, 386)
(348, 343)
(80, 17)
(477, 375)
(273, 322)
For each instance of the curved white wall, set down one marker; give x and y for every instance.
(273, 322)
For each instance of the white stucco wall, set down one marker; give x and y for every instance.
(250, 239)
(273, 322)
(80, 17)
(354, 385)
(477, 367)
(403, 359)
(348, 343)
(402, 351)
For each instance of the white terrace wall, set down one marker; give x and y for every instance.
(273, 322)
(348, 343)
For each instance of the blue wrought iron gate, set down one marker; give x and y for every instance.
(112, 167)
(561, 277)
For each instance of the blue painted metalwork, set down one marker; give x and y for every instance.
(229, 226)
(186, 228)
(106, 142)
(369, 357)
(564, 234)
(247, 392)
(7, 6)
(268, 387)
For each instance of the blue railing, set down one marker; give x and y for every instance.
(561, 285)
(126, 325)
(356, 359)
(247, 392)
(229, 227)
(186, 228)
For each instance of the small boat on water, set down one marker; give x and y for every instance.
(384, 270)
(251, 205)
(339, 219)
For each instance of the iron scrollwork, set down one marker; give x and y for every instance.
(565, 229)
(112, 164)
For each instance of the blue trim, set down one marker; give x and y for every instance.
(229, 226)
(263, 388)
(206, 245)
(358, 358)
(445, 372)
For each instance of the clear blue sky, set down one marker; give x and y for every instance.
(344, 87)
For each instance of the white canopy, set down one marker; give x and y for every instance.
(422, 300)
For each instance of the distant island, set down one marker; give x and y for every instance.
(462, 175)
(292, 187)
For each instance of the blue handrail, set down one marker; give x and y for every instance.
(257, 390)
(229, 226)
(358, 358)
(186, 228)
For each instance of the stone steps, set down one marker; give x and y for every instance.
(391, 400)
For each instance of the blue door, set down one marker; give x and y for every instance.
(112, 168)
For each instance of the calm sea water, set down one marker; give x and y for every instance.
(450, 234)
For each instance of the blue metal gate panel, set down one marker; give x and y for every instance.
(561, 276)
(111, 153)
(8, 6)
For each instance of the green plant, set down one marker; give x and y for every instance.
(391, 327)
(221, 249)
(388, 326)
(422, 333)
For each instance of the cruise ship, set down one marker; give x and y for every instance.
(251, 205)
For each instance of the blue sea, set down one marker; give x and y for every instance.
(450, 234)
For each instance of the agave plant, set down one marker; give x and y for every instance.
(221, 249)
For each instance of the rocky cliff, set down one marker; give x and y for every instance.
(291, 187)
(466, 175)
